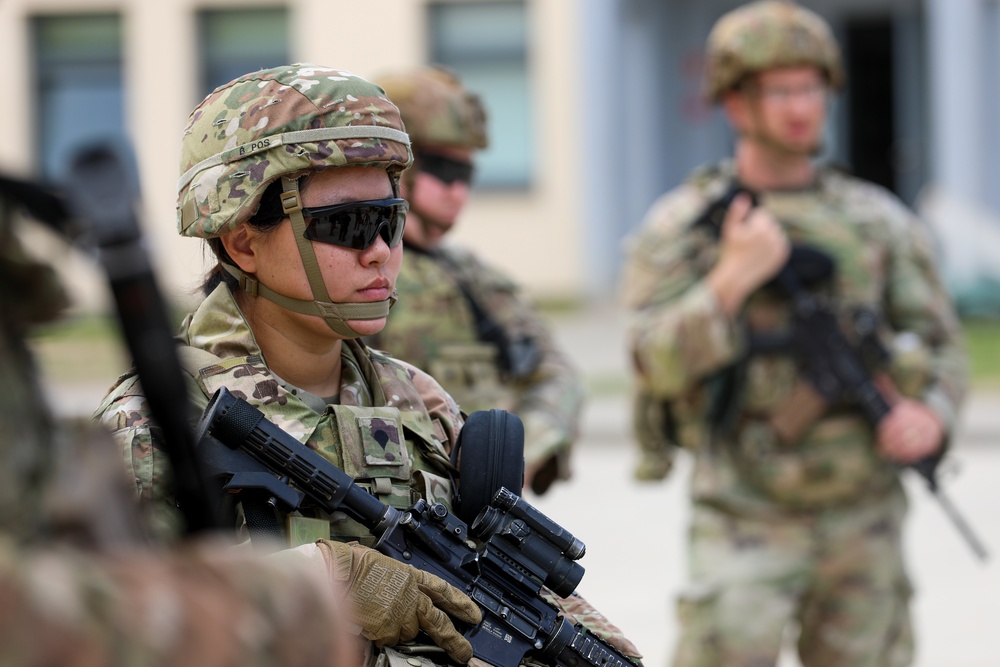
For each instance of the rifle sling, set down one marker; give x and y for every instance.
(488, 330)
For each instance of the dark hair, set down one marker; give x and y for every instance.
(268, 216)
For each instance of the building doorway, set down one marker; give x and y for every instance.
(870, 108)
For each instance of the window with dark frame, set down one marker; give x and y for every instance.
(236, 41)
(79, 91)
(486, 44)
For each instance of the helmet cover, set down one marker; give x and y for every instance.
(767, 34)
(280, 122)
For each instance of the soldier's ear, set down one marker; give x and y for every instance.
(736, 105)
(240, 244)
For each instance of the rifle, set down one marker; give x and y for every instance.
(835, 368)
(521, 548)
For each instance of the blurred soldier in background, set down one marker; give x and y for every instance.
(459, 319)
(797, 504)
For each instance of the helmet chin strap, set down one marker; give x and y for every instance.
(335, 314)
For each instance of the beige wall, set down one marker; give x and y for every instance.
(533, 234)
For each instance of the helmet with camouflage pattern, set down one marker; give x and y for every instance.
(767, 34)
(437, 109)
(279, 122)
(282, 123)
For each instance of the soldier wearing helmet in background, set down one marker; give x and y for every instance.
(292, 175)
(797, 504)
(459, 319)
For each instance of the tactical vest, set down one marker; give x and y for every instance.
(434, 327)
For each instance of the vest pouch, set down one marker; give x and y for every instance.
(373, 450)
(470, 373)
(433, 488)
(834, 463)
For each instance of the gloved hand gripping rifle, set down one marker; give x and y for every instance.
(521, 549)
(833, 366)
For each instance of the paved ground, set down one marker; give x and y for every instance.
(635, 533)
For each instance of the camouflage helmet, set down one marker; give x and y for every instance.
(280, 122)
(437, 109)
(767, 34)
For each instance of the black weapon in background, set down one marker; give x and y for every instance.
(835, 368)
(95, 208)
(518, 356)
(521, 548)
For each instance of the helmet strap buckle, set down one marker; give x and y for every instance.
(291, 202)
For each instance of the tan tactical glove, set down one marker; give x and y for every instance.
(394, 601)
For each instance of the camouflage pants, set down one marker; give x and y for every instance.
(837, 575)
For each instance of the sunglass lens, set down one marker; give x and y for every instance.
(357, 224)
(446, 169)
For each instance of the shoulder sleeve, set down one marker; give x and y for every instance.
(191, 606)
(916, 301)
(126, 416)
(678, 333)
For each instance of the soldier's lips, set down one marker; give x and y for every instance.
(377, 290)
(801, 132)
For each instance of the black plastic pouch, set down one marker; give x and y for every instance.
(489, 454)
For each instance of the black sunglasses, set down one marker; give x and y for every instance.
(357, 224)
(445, 169)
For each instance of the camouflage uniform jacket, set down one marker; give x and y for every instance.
(392, 430)
(680, 337)
(380, 397)
(433, 327)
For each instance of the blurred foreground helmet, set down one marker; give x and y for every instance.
(437, 110)
(767, 34)
(280, 122)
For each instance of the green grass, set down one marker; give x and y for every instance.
(85, 350)
(83, 328)
(982, 337)
(89, 349)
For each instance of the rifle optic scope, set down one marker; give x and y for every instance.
(538, 539)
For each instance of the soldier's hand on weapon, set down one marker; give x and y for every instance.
(752, 249)
(393, 601)
(910, 432)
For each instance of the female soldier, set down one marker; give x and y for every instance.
(292, 175)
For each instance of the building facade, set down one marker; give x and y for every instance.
(595, 107)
